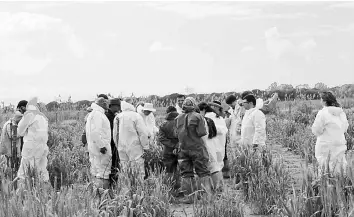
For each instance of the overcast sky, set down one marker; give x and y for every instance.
(81, 49)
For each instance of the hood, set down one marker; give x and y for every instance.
(335, 111)
(127, 106)
(171, 116)
(96, 107)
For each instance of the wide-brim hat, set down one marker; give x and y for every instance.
(148, 107)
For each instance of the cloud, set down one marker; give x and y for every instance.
(247, 49)
(277, 46)
(342, 5)
(158, 46)
(261, 15)
(201, 10)
(21, 33)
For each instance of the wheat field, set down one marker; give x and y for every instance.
(277, 182)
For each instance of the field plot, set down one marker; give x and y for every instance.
(279, 181)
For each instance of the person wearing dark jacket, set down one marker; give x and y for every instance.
(192, 128)
(168, 138)
(114, 108)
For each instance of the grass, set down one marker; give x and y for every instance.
(266, 180)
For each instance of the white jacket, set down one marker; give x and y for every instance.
(329, 126)
(130, 133)
(218, 141)
(98, 131)
(150, 124)
(34, 129)
(221, 130)
(253, 129)
(235, 125)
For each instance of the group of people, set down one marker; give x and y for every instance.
(31, 127)
(193, 137)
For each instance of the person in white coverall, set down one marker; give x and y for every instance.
(130, 135)
(146, 112)
(236, 113)
(253, 127)
(34, 129)
(329, 126)
(219, 142)
(98, 134)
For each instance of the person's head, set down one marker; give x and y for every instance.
(217, 108)
(245, 93)
(328, 99)
(180, 99)
(32, 104)
(171, 109)
(114, 105)
(204, 108)
(249, 101)
(17, 117)
(148, 108)
(104, 96)
(189, 105)
(21, 106)
(102, 102)
(227, 114)
(231, 101)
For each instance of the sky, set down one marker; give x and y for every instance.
(80, 49)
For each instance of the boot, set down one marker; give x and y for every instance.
(207, 185)
(188, 186)
(226, 170)
(102, 183)
(217, 181)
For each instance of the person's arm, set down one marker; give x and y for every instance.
(318, 124)
(162, 138)
(142, 132)
(24, 123)
(116, 131)
(96, 132)
(260, 129)
(345, 122)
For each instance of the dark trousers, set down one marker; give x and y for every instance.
(194, 159)
(113, 177)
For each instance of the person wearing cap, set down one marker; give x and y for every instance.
(7, 137)
(98, 134)
(146, 113)
(193, 155)
(253, 127)
(168, 138)
(113, 110)
(130, 135)
(34, 129)
(21, 106)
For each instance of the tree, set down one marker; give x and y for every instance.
(273, 86)
(321, 86)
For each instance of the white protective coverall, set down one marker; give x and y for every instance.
(218, 141)
(329, 126)
(130, 135)
(150, 123)
(34, 129)
(235, 125)
(6, 140)
(253, 128)
(98, 134)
